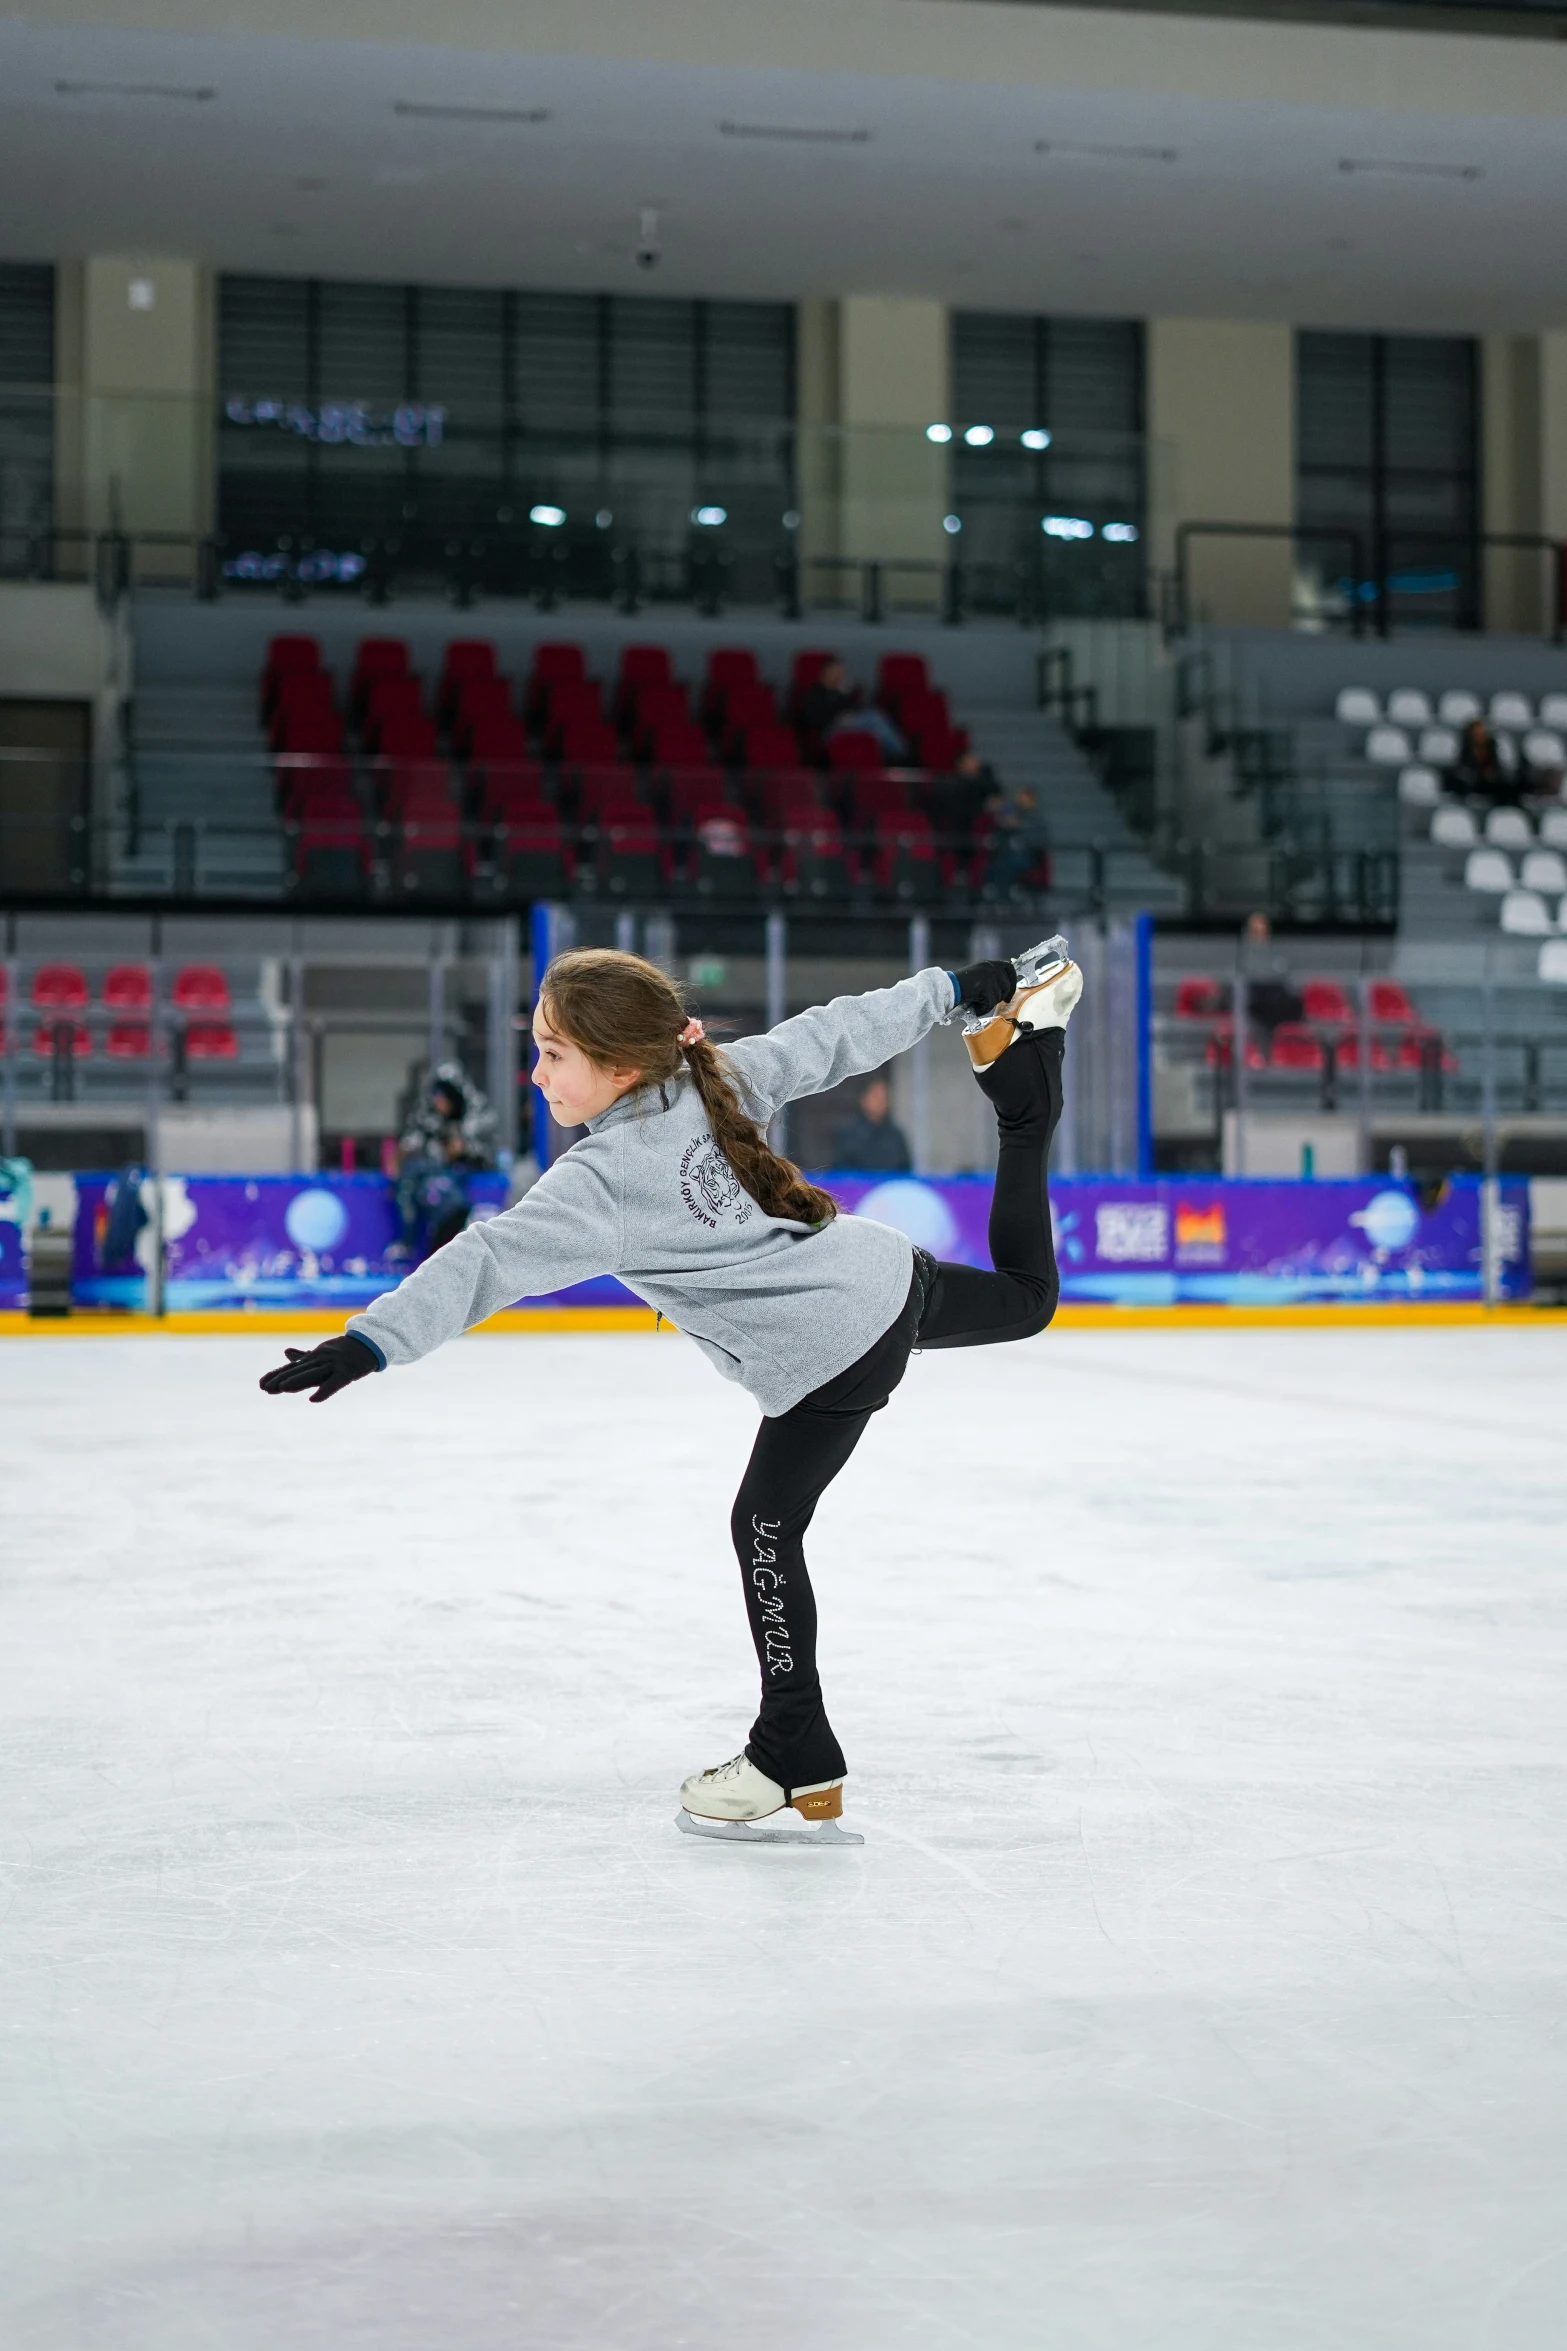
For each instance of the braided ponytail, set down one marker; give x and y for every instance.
(624, 1013)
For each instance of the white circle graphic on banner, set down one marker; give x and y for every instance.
(915, 1210)
(1389, 1220)
(315, 1220)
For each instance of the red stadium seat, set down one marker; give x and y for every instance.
(128, 1040)
(900, 675)
(317, 734)
(804, 671)
(1221, 1047)
(467, 662)
(427, 859)
(938, 747)
(211, 1040)
(611, 793)
(694, 792)
(409, 785)
(287, 657)
(1295, 1047)
(854, 748)
(1327, 1002)
(728, 667)
(721, 862)
(903, 861)
(1390, 1005)
(478, 702)
(657, 707)
(60, 987)
(587, 742)
(877, 795)
(405, 737)
(314, 780)
(679, 744)
(377, 657)
(747, 706)
(790, 794)
(530, 858)
(305, 697)
(50, 1034)
(513, 789)
(763, 747)
(640, 665)
(1198, 998)
(1419, 1048)
(128, 988)
(554, 665)
(389, 701)
(1346, 1052)
(200, 987)
(331, 856)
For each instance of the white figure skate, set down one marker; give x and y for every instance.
(736, 1802)
(1049, 985)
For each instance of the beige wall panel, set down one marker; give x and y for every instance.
(1221, 417)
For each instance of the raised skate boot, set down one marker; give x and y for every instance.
(1049, 985)
(736, 1801)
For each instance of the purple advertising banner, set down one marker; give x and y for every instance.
(13, 1274)
(331, 1241)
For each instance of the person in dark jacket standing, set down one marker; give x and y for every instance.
(872, 1142)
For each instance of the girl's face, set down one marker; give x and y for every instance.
(575, 1088)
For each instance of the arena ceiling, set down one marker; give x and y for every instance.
(990, 156)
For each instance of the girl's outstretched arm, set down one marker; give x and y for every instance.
(843, 1039)
(567, 1229)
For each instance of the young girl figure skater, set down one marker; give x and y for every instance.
(675, 1189)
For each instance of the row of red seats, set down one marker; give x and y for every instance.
(431, 789)
(127, 987)
(1328, 1001)
(562, 707)
(529, 852)
(129, 1040)
(1295, 1047)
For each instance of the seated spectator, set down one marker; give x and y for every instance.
(1019, 845)
(1483, 770)
(958, 800)
(450, 1136)
(831, 705)
(872, 1142)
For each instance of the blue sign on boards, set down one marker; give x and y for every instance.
(329, 1240)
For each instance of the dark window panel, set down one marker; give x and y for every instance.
(26, 407)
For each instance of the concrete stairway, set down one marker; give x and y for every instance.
(1032, 747)
(198, 759)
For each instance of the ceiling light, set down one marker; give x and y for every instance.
(952, 524)
(980, 436)
(1120, 534)
(141, 294)
(817, 136)
(938, 432)
(1104, 152)
(196, 97)
(1411, 171)
(709, 517)
(550, 516)
(433, 113)
(791, 520)
(603, 518)
(1066, 526)
(1036, 438)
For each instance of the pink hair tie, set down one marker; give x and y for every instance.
(692, 1034)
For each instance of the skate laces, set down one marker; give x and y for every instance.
(724, 1771)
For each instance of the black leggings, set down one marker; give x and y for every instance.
(797, 1456)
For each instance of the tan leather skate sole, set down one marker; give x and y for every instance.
(989, 1043)
(819, 1803)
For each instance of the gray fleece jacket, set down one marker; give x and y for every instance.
(646, 1195)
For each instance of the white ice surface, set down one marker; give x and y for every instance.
(1200, 1987)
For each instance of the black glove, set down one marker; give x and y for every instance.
(335, 1364)
(982, 986)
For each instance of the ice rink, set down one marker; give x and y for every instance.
(1201, 1984)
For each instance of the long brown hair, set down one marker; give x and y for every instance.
(624, 1013)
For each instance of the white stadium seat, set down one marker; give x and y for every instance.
(1357, 706)
(1438, 746)
(1488, 870)
(1553, 710)
(1454, 828)
(1544, 748)
(1511, 710)
(1458, 706)
(1525, 915)
(1553, 828)
(1552, 966)
(1388, 747)
(1407, 706)
(1420, 787)
(1544, 870)
(1509, 828)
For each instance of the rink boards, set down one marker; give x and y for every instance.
(325, 1243)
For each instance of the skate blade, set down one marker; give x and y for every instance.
(761, 1832)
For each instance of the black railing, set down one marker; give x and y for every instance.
(1371, 587)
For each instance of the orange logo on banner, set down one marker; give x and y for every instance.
(1200, 1228)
